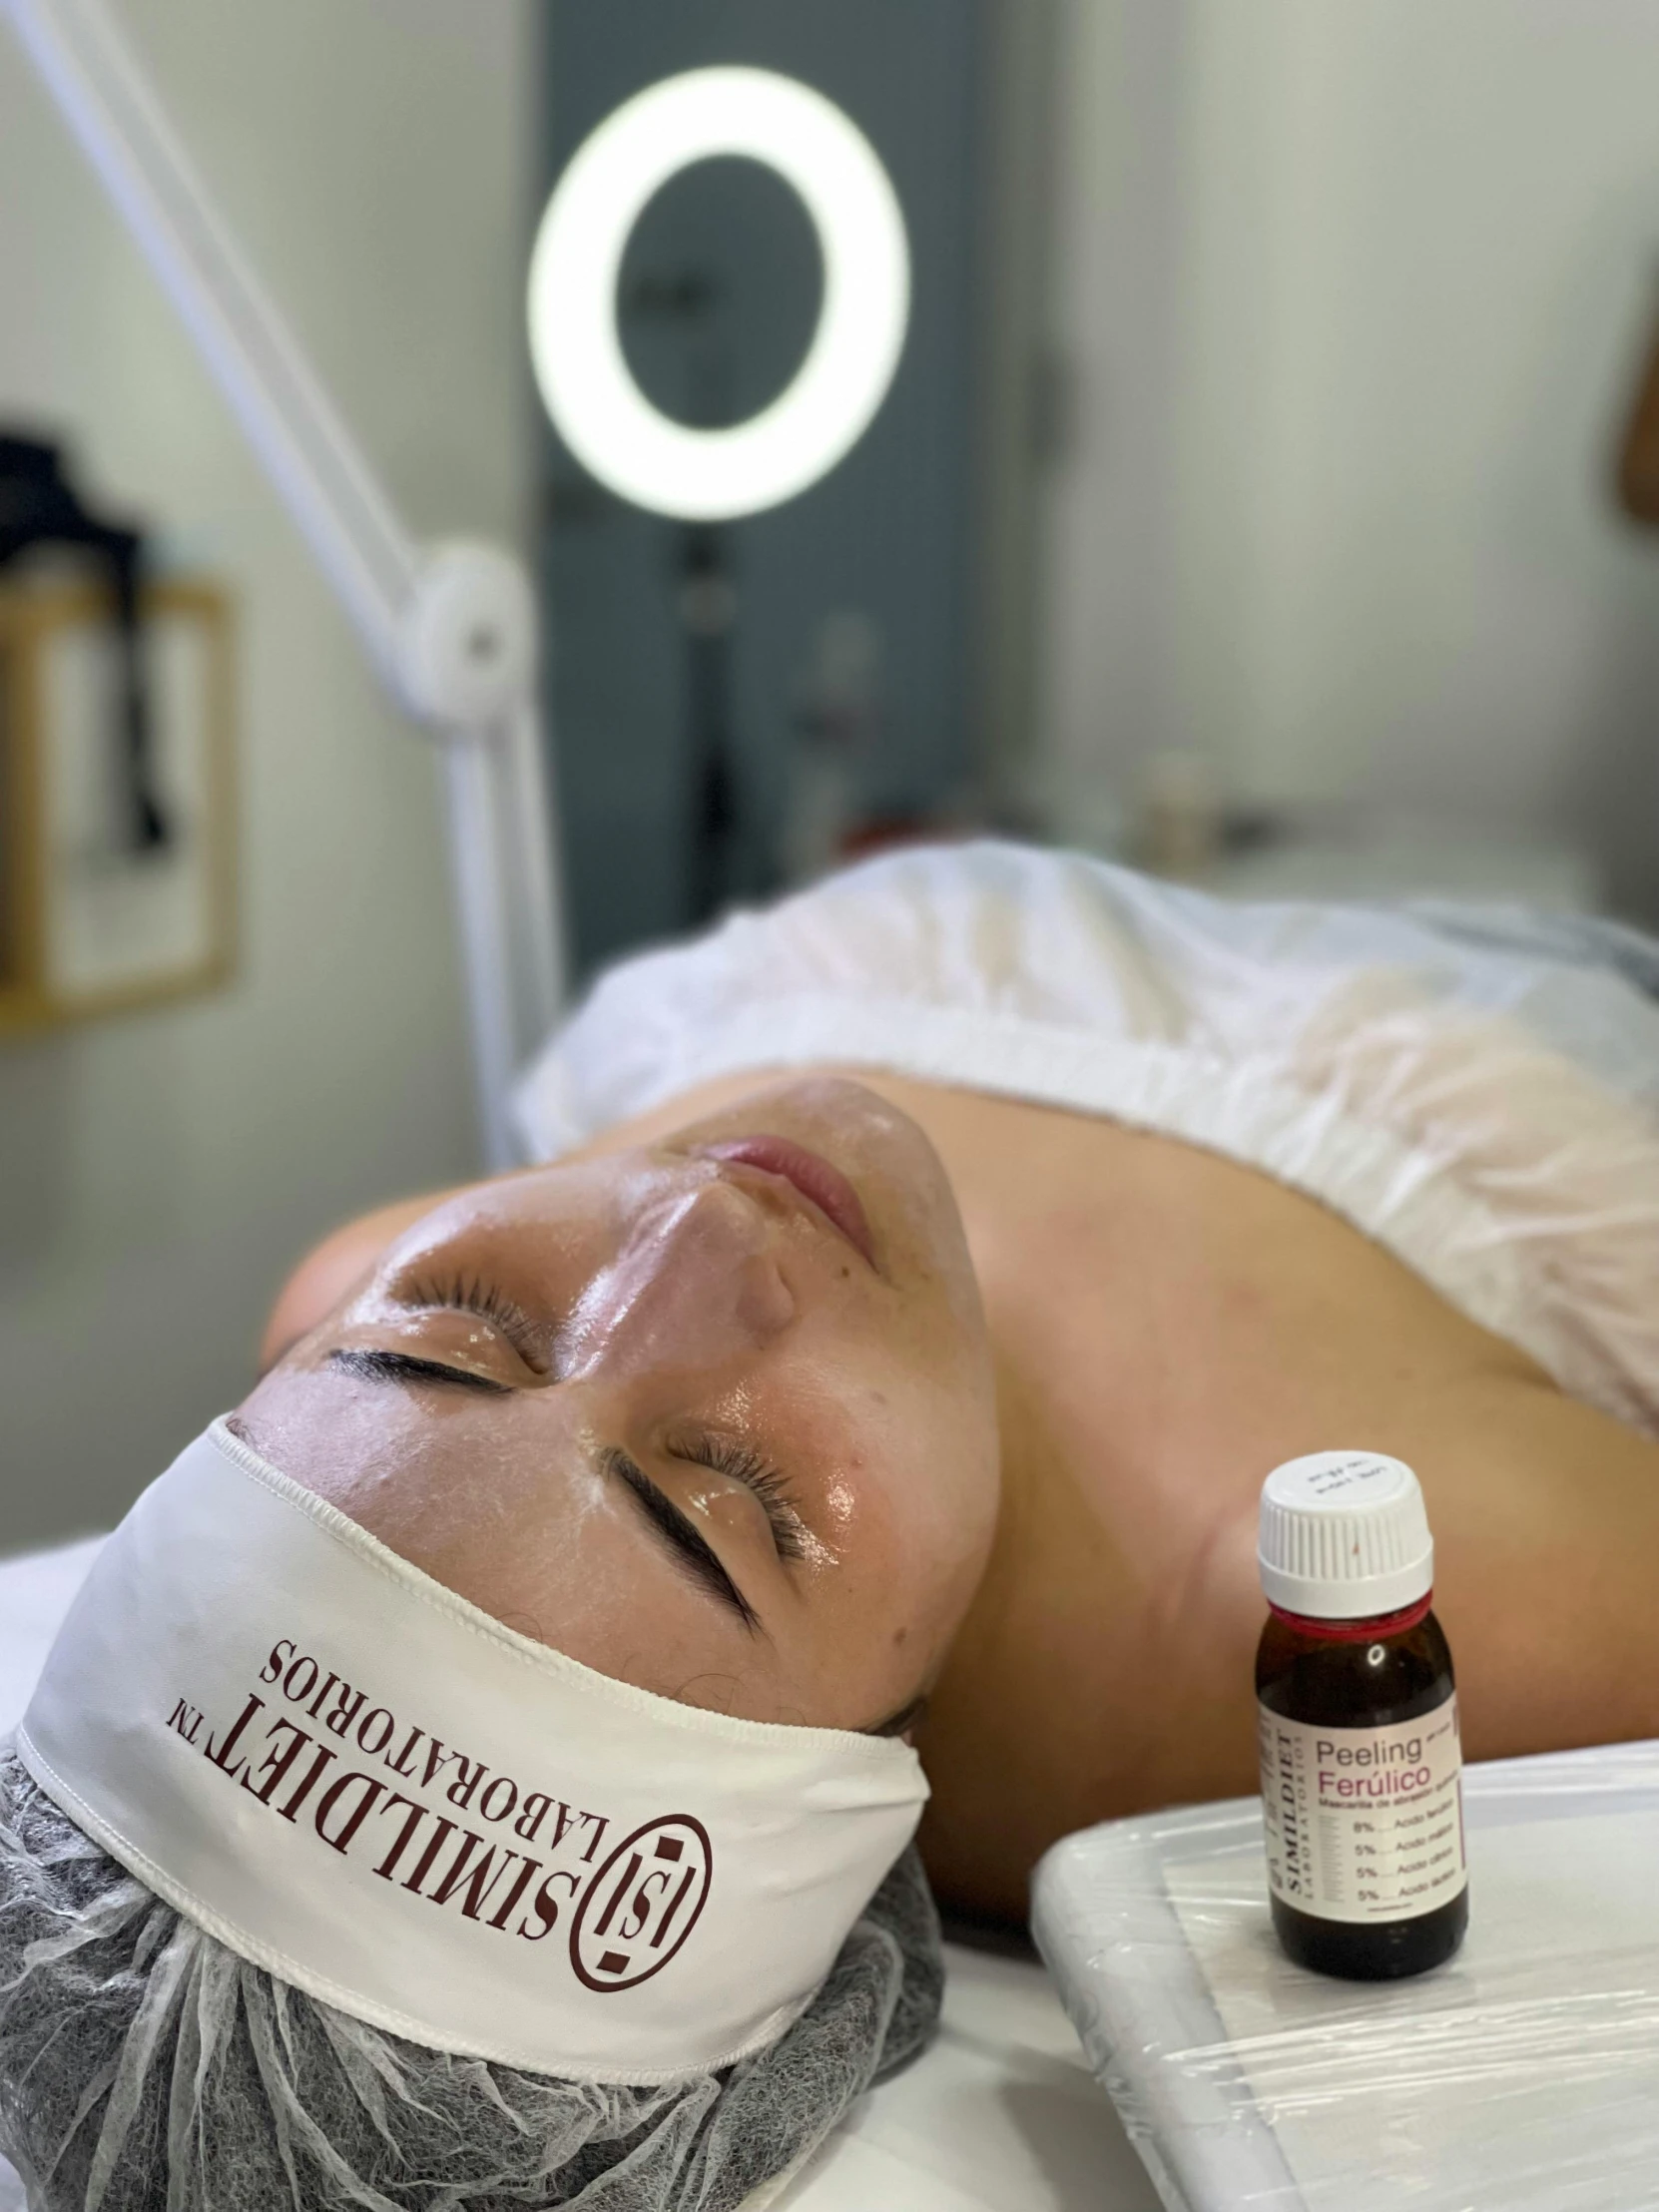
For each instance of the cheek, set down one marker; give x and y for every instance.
(903, 1480)
(928, 1417)
(943, 1488)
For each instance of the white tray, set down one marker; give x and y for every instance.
(1522, 2077)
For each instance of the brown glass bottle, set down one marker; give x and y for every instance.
(1361, 1675)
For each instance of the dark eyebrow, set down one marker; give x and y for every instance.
(679, 1533)
(404, 1367)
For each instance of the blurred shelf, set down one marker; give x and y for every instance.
(1396, 866)
(92, 923)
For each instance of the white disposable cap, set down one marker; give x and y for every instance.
(1343, 1536)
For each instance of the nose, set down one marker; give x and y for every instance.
(696, 1283)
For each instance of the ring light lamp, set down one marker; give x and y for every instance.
(629, 444)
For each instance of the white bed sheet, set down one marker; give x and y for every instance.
(1001, 2115)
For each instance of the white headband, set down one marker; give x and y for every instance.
(360, 1782)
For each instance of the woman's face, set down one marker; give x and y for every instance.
(714, 1416)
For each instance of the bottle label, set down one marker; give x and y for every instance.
(1363, 1824)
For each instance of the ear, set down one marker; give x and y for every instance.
(333, 1269)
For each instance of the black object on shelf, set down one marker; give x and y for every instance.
(39, 507)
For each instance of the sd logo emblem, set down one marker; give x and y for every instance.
(642, 1903)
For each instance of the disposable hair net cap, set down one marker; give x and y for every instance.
(358, 1780)
(322, 1889)
(143, 2065)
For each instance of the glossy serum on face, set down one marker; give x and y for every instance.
(1356, 1709)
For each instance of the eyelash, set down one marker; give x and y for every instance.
(740, 1464)
(473, 1294)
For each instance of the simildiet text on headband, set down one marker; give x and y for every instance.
(619, 1939)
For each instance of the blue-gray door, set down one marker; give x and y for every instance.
(720, 294)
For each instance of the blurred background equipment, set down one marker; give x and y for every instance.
(1637, 469)
(719, 472)
(39, 509)
(101, 911)
(1351, 303)
(159, 1172)
(450, 627)
(710, 469)
(794, 313)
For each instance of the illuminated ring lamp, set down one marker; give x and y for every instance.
(630, 445)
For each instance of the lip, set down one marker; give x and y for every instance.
(825, 1189)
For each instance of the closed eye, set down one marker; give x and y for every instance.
(471, 1293)
(681, 1537)
(739, 1463)
(404, 1367)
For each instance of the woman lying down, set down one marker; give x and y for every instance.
(482, 1772)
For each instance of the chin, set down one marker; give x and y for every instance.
(887, 1157)
(846, 1118)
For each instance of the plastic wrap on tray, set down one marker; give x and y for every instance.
(1524, 2075)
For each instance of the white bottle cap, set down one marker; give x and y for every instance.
(1343, 1536)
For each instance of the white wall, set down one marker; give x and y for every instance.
(158, 1173)
(1354, 295)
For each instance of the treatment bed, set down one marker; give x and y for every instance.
(1001, 2114)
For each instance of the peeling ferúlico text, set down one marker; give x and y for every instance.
(1363, 1824)
(285, 1759)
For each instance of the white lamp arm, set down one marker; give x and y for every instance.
(452, 630)
(99, 88)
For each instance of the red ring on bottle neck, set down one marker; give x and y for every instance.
(1356, 1632)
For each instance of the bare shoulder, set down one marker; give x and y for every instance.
(1184, 1323)
(1547, 1523)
